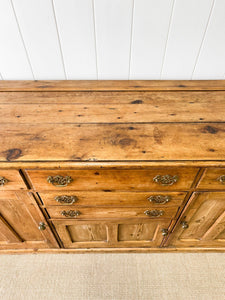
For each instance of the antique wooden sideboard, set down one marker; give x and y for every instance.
(112, 166)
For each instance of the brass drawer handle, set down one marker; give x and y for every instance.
(221, 179)
(3, 181)
(41, 226)
(165, 179)
(154, 213)
(184, 225)
(70, 213)
(164, 232)
(59, 180)
(66, 199)
(159, 199)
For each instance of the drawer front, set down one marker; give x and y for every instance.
(11, 180)
(213, 179)
(61, 212)
(83, 198)
(111, 179)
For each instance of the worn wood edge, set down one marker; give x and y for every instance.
(111, 85)
(112, 250)
(107, 164)
(186, 202)
(185, 205)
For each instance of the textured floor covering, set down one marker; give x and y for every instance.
(113, 276)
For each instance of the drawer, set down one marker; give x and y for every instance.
(83, 198)
(61, 212)
(213, 179)
(113, 179)
(11, 180)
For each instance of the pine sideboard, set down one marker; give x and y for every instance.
(112, 166)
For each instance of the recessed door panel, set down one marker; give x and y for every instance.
(203, 224)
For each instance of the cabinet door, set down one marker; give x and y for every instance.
(203, 223)
(19, 223)
(101, 234)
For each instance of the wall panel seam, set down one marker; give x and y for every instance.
(94, 25)
(131, 36)
(203, 38)
(22, 39)
(59, 41)
(167, 38)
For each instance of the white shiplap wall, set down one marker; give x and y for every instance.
(105, 39)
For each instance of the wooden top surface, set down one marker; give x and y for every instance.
(112, 85)
(112, 121)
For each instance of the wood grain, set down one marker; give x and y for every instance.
(206, 219)
(56, 165)
(210, 179)
(108, 142)
(112, 85)
(108, 198)
(119, 179)
(199, 98)
(14, 180)
(132, 233)
(21, 215)
(8, 234)
(146, 108)
(112, 138)
(136, 249)
(119, 212)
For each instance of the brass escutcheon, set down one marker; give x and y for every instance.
(159, 199)
(154, 213)
(70, 213)
(66, 199)
(59, 180)
(165, 179)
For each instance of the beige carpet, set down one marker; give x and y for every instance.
(113, 276)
